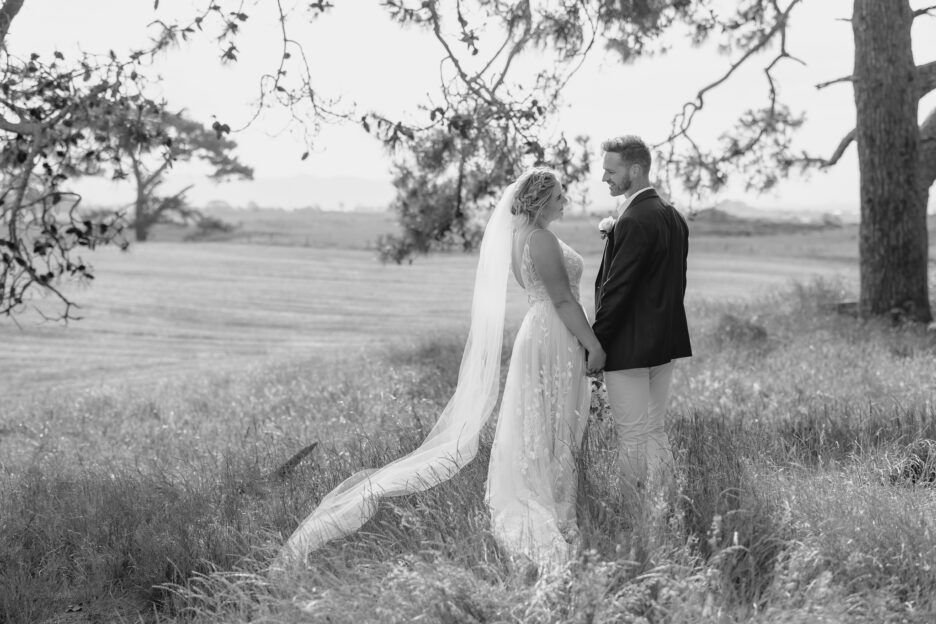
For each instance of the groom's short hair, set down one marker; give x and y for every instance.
(631, 149)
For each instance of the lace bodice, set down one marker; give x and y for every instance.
(534, 287)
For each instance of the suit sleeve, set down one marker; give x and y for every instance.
(632, 249)
(685, 271)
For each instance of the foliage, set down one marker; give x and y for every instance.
(210, 226)
(46, 112)
(448, 186)
(562, 34)
(61, 118)
(486, 128)
(486, 83)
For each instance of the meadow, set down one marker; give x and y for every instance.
(169, 309)
(143, 450)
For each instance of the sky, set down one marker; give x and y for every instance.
(358, 54)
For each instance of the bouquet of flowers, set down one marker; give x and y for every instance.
(599, 408)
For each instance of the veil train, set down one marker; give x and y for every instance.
(453, 441)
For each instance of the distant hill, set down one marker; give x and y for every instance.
(345, 193)
(833, 215)
(308, 227)
(714, 215)
(331, 193)
(738, 219)
(825, 215)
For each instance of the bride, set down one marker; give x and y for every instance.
(531, 486)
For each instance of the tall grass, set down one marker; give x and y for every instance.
(168, 506)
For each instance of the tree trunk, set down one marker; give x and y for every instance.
(927, 169)
(141, 218)
(892, 240)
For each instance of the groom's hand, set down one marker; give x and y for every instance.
(595, 362)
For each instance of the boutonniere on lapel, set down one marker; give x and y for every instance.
(605, 226)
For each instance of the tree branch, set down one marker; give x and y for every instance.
(773, 115)
(927, 157)
(271, 84)
(18, 128)
(493, 58)
(925, 78)
(584, 54)
(8, 11)
(182, 192)
(155, 175)
(842, 146)
(19, 191)
(824, 163)
(683, 120)
(823, 85)
(50, 122)
(924, 11)
(172, 202)
(470, 82)
(527, 26)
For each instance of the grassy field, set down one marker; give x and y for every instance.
(297, 228)
(138, 448)
(169, 310)
(360, 230)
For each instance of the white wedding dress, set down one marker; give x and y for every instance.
(531, 481)
(532, 477)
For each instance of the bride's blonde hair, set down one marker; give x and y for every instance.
(534, 188)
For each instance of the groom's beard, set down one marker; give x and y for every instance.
(626, 185)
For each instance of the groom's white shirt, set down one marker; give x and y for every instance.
(631, 199)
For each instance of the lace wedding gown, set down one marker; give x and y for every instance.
(532, 479)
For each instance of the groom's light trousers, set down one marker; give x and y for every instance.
(638, 398)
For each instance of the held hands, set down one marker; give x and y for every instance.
(595, 362)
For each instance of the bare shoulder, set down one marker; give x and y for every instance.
(548, 259)
(544, 243)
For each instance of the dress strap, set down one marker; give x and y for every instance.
(518, 272)
(526, 245)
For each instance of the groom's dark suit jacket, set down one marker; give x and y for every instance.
(640, 318)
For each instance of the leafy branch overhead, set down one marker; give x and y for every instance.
(504, 65)
(47, 111)
(760, 148)
(486, 115)
(503, 68)
(63, 117)
(487, 92)
(485, 77)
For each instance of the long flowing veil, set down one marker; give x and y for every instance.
(453, 441)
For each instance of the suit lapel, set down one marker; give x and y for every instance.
(606, 256)
(613, 236)
(609, 248)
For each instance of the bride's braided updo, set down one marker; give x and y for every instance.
(534, 189)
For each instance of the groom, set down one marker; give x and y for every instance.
(640, 318)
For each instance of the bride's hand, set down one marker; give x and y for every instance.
(596, 361)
